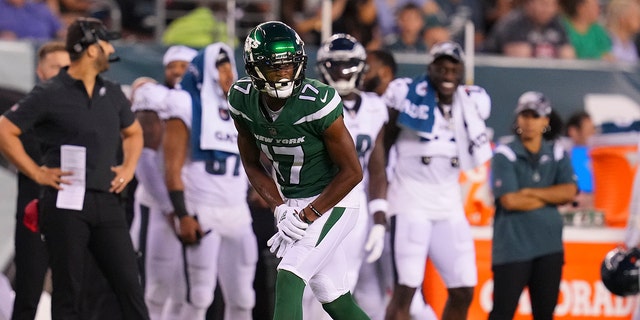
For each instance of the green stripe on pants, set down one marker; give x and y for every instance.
(334, 216)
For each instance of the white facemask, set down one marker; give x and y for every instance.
(281, 90)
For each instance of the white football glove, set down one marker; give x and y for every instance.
(290, 227)
(375, 242)
(278, 245)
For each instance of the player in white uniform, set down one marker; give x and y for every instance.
(440, 130)
(375, 281)
(151, 201)
(208, 189)
(152, 234)
(341, 64)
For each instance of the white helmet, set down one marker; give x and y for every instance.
(342, 63)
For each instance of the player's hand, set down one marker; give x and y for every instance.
(52, 177)
(278, 245)
(121, 179)
(290, 227)
(375, 242)
(190, 231)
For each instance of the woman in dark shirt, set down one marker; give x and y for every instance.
(531, 176)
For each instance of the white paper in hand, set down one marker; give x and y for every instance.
(74, 159)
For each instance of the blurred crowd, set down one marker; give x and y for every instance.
(582, 29)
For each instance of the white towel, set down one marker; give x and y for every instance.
(471, 106)
(217, 129)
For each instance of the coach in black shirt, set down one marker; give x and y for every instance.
(80, 108)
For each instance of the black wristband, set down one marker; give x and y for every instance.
(315, 211)
(177, 200)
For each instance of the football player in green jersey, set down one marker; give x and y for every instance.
(297, 123)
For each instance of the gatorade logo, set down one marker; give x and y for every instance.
(578, 298)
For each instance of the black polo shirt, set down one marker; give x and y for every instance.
(61, 113)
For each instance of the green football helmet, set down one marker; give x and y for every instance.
(269, 46)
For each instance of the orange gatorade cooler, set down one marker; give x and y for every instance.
(614, 167)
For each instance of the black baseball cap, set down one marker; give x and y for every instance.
(87, 31)
(223, 57)
(448, 49)
(535, 101)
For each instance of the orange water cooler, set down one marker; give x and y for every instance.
(615, 161)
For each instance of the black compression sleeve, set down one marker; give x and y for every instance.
(177, 200)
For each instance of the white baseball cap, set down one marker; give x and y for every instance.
(178, 53)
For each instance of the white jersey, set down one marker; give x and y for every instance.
(215, 183)
(150, 97)
(364, 118)
(425, 178)
(151, 190)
